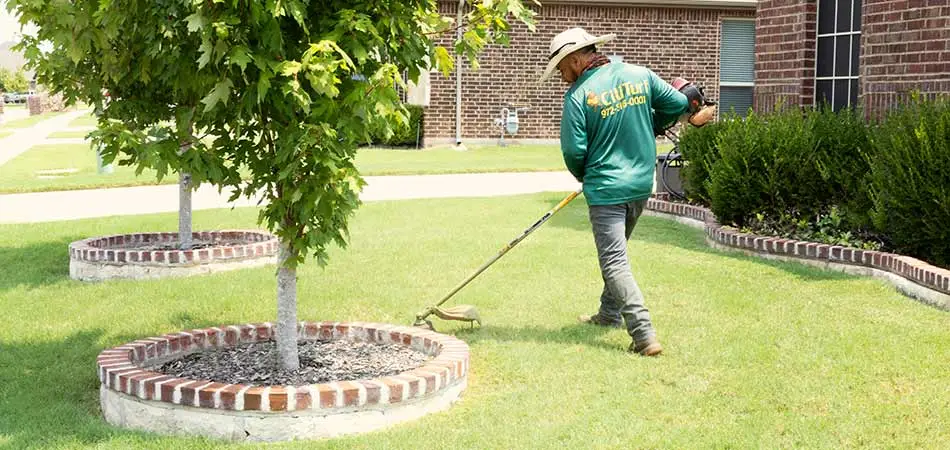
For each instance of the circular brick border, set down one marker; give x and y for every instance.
(115, 257)
(135, 397)
(912, 277)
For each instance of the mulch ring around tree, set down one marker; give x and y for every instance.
(169, 246)
(320, 362)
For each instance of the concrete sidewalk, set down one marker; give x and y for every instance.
(24, 139)
(67, 205)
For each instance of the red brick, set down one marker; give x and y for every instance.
(327, 395)
(278, 398)
(351, 393)
(304, 400)
(168, 389)
(188, 393)
(229, 396)
(253, 398)
(373, 392)
(206, 395)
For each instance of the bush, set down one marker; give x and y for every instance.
(766, 166)
(843, 162)
(910, 180)
(698, 147)
(403, 135)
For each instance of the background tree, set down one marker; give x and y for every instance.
(287, 89)
(135, 63)
(13, 81)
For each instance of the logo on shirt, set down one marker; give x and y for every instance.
(614, 100)
(593, 100)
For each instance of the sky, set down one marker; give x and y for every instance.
(9, 27)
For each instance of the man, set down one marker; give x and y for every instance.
(608, 144)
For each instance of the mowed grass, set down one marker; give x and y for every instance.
(68, 134)
(84, 121)
(758, 354)
(27, 122)
(30, 171)
(25, 173)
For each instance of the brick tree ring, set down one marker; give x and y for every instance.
(134, 397)
(153, 255)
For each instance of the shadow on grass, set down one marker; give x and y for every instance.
(657, 230)
(35, 265)
(571, 334)
(49, 392)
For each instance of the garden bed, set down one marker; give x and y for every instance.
(133, 394)
(155, 255)
(912, 277)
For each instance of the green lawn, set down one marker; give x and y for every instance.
(84, 121)
(27, 122)
(68, 134)
(4, 133)
(758, 354)
(20, 174)
(445, 160)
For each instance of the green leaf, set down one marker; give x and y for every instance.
(196, 22)
(240, 56)
(205, 49)
(288, 68)
(263, 85)
(220, 93)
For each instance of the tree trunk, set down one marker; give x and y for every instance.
(184, 211)
(287, 311)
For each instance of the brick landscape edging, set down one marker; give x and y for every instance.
(100, 258)
(911, 269)
(122, 369)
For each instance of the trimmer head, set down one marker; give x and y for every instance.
(462, 313)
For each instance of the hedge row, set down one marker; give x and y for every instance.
(831, 177)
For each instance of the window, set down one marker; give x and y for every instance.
(737, 66)
(836, 61)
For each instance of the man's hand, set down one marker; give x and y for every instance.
(703, 116)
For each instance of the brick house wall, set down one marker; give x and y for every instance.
(784, 53)
(903, 48)
(673, 41)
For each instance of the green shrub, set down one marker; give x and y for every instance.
(842, 160)
(403, 135)
(698, 147)
(766, 166)
(910, 179)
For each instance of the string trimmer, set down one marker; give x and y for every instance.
(468, 313)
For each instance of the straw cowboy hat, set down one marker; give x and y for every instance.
(568, 42)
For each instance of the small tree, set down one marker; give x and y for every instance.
(134, 62)
(288, 89)
(13, 81)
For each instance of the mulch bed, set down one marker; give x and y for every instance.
(164, 246)
(320, 362)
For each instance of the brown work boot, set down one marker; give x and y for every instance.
(649, 347)
(600, 321)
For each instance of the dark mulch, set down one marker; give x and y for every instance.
(320, 362)
(196, 245)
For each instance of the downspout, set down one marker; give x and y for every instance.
(458, 79)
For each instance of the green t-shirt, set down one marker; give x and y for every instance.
(607, 130)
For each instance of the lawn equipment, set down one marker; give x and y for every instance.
(468, 313)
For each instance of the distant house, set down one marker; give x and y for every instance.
(747, 53)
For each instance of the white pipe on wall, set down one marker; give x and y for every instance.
(458, 78)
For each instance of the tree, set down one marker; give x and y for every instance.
(287, 90)
(11, 81)
(134, 62)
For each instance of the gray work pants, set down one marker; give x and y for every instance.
(621, 298)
